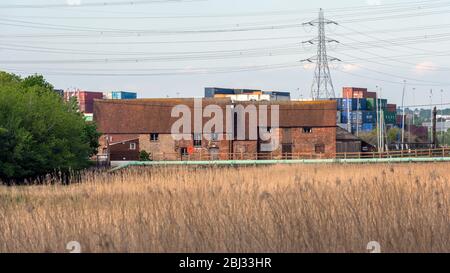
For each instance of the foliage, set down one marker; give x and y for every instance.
(444, 138)
(144, 156)
(39, 133)
(393, 135)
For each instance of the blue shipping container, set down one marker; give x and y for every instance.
(339, 104)
(368, 127)
(359, 117)
(354, 104)
(356, 128)
(122, 95)
(363, 128)
(345, 116)
(369, 117)
(211, 91)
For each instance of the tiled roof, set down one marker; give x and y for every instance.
(154, 115)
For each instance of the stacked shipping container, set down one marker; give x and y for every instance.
(359, 106)
(85, 99)
(251, 94)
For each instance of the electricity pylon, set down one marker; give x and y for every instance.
(322, 87)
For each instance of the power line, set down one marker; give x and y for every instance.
(197, 71)
(26, 48)
(74, 28)
(395, 42)
(401, 77)
(391, 7)
(381, 80)
(373, 37)
(155, 31)
(391, 59)
(95, 4)
(395, 17)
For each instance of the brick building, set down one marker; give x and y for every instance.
(306, 129)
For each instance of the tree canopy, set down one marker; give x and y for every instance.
(39, 132)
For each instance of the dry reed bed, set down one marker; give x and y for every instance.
(326, 208)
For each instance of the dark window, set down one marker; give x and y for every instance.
(307, 130)
(183, 151)
(197, 140)
(320, 148)
(154, 137)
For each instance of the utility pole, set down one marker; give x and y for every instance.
(357, 117)
(380, 115)
(431, 115)
(349, 121)
(435, 142)
(322, 86)
(383, 129)
(403, 114)
(414, 102)
(442, 114)
(378, 119)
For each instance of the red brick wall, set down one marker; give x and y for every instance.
(169, 149)
(304, 143)
(166, 148)
(245, 149)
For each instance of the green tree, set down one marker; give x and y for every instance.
(144, 156)
(38, 82)
(39, 133)
(444, 138)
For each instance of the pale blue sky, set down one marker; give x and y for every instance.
(178, 48)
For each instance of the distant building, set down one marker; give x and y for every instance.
(124, 150)
(349, 143)
(306, 129)
(441, 126)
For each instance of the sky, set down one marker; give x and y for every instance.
(166, 48)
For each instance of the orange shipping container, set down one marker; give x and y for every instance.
(354, 92)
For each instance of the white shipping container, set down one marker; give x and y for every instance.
(107, 95)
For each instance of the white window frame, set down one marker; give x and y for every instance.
(133, 146)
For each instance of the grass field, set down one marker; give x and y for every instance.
(326, 208)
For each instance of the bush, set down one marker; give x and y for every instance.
(39, 133)
(144, 156)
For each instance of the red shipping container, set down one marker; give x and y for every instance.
(354, 92)
(392, 107)
(371, 95)
(85, 99)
